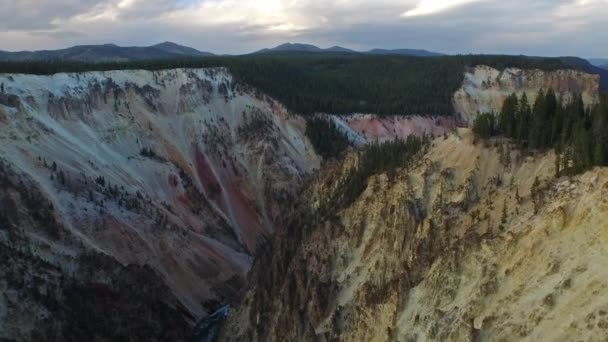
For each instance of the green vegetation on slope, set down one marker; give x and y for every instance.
(325, 137)
(308, 83)
(385, 157)
(579, 135)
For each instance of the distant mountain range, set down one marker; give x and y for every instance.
(295, 47)
(600, 62)
(106, 53)
(169, 50)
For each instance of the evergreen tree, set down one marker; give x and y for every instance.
(550, 116)
(536, 133)
(523, 119)
(600, 132)
(503, 219)
(483, 126)
(508, 113)
(581, 145)
(557, 124)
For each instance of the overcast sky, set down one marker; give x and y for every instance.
(532, 27)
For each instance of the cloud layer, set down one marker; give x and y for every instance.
(534, 27)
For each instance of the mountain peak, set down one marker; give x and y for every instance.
(166, 44)
(178, 49)
(337, 48)
(297, 47)
(405, 52)
(309, 48)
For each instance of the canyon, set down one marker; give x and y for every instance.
(150, 194)
(181, 171)
(460, 246)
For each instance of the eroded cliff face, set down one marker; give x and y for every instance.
(363, 129)
(460, 247)
(179, 172)
(484, 89)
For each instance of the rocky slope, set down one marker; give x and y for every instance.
(363, 129)
(172, 177)
(484, 88)
(462, 246)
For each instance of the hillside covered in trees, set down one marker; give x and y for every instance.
(579, 135)
(333, 83)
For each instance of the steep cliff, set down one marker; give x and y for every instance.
(484, 89)
(464, 245)
(362, 129)
(181, 173)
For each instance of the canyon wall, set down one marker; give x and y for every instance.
(464, 245)
(180, 173)
(484, 89)
(363, 129)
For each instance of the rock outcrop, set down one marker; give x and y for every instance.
(177, 174)
(484, 88)
(463, 246)
(363, 129)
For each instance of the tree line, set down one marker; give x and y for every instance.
(579, 134)
(340, 84)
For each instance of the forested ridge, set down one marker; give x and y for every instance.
(332, 83)
(578, 134)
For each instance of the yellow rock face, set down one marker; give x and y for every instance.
(485, 89)
(457, 248)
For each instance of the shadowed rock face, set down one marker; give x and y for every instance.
(180, 172)
(484, 88)
(459, 247)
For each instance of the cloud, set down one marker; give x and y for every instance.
(426, 7)
(539, 27)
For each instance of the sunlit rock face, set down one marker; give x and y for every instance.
(484, 88)
(182, 172)
(461, 246)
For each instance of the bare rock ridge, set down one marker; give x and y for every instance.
(459, 247)
(181, 173)
(484, 89)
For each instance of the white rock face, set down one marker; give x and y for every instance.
(181, 170)
(484, 88)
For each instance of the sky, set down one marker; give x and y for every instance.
(531, 27)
